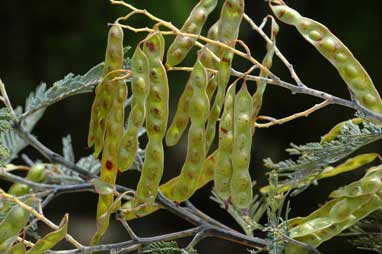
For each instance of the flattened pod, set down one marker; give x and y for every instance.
(12, 224)
(109, 167)
(351, 71)
(182, 45)
(230, 20)
(241, 183)
(140, 84)
(222, 78)
(51, 239)
(181, 118)
(167, 189)
(229, 25)
(223, 172)
(156, 123)
(35, 174)
(196, 153)
(104, 92)
(338, 214)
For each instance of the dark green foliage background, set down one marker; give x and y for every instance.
(41, 41)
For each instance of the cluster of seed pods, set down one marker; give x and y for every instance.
(351, 71)
(156, 121)
(112, 125)
(179, 49)
(349, 205)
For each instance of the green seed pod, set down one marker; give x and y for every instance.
(156, 123)
(229, 23)
(267, 62)
(338, 214)
(168, 189)
(350, 70)
(51, 239)
(223, 76)
(179, 49)
(223, 172)
(181, 118)
(336, 130)
(14, 221)
(196, 153)
(241, 183)
(349, 165)
(104, 91)
(109, 167)
(35, 174)
(17, 249)
(140, 84)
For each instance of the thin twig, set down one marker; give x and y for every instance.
(39, 216)
(305, 113)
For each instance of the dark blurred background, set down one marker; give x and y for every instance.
(42, 41)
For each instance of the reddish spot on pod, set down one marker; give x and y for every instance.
(282, 13)
(224, 130)
(109, 165)
(150, 46)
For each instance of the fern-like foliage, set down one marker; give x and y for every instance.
(5, 126)
(10, 138)
(313, 157)
(368, 233)
(166, 248)
(70, 85)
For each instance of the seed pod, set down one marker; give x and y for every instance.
(181, 117)
(12, 224)
(241, 183)
(111, 128)
(18, 248)
(267, 62)
(129, 213)
(104, 92)
(156, 123)
(196, 153)
(109, 167)
(179, 49)
(338, 214)
(51, 239)
(349, 165)
(229, 25)
(223, 172)
(336, 130)
(140, 84)
(351, 71)
(35, 174)
(223, 76)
